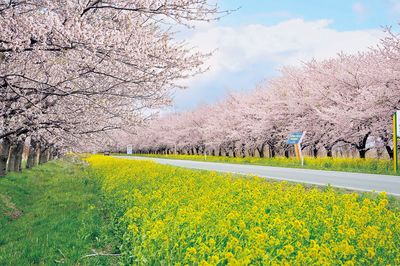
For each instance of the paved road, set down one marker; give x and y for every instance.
(353, 181)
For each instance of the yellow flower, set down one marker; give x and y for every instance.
(289, 249)
(197, 217)
(229, 255)
(191, 251)
(211, 242)
(306, 233)
(300, 256)
(351, 233)
(371, 253)
(214, 259)
(204, 263)
(242, 225)
(133, 228)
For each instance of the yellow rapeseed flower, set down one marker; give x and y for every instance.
(178, 216)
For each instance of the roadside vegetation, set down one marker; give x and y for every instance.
(367, 165)
(174, 215)
(54, 214)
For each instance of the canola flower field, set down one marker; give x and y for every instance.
(175, 216)
(367, 165)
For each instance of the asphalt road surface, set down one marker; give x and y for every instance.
(352, 181)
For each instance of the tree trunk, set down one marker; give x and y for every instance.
(261, 151)
(57, 154)
(11, 158)
(252, 152)
(362, 153)
(315, 152)
(32, 156)
(389, 151)
(51, 153)
(287, 153)
(272, 152)
(19, 150)
(361, 146)
(328, 151)
(15, 157)
(5, 146)
(43, 155)
(37, 157)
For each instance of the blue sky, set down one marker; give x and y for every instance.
(255, 41)
(345, 14)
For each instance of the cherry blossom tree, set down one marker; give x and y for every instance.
(345, 102)
(85, 68)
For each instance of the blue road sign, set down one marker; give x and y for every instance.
(295, 138)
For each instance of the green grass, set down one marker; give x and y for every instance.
(53, 214)
(368, 165)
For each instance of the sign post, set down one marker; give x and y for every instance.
(129, 149)
(396, 135)
(295, 139)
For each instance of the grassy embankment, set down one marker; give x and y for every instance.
(172, 215)
(368, 165)
(53, 214)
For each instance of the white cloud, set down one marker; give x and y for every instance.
(287, 43)
(360, 9)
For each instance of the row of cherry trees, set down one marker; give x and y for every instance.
(347, 100)
(73, 73)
